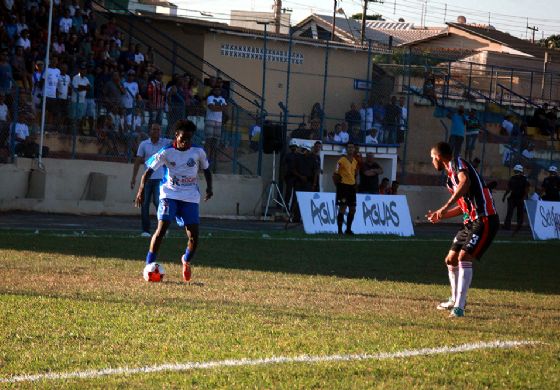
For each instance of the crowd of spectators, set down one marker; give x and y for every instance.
(96, 83)
(374, 123)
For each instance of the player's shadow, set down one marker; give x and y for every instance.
(506, 266)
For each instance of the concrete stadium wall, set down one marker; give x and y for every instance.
(94, 187)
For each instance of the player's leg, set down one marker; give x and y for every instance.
(166, 212)
(190, 215)
(145, 211)
(340, 216)
(509, 214)
(350, 219)
(351, 201)
(481, 233)
(452, 262)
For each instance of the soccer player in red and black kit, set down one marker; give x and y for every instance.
(472, 199)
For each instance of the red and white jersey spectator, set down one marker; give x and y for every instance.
(156, 94)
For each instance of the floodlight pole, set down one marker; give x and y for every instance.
(262, 114)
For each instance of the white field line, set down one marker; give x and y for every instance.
(270, 238)
(176, 367)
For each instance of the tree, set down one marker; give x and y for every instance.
(358, 16)
(552, 42)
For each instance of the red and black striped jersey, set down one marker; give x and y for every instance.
(478, 201)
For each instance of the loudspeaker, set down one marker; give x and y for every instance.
(272, 137)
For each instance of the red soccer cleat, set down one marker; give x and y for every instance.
(186, 270)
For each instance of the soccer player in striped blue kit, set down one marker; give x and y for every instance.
(471, 198)
(179, 192)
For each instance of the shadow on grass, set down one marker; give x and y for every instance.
(506, 266)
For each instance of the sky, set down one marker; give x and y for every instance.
(511, 16)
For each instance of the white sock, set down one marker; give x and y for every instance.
(453, 273)
(465, 278)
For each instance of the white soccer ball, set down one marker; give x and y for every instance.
(153, 272)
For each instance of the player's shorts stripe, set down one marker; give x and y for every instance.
(483, 238)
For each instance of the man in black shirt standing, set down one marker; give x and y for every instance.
(518, 188)
(288, 167)
(369, 176)
(550, 190)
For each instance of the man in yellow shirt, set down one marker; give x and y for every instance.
(345, 180)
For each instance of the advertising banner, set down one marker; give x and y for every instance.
(375, 214)
(544, 218)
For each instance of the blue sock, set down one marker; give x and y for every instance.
(187, 255)
(150, 257)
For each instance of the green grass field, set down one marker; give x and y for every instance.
(77, 304)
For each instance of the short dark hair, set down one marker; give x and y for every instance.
(443, 149)
(185, 125)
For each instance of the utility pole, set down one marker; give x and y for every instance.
(333, 20)
(364, 12)
(363, 36)
(277, 15)
(534, 29)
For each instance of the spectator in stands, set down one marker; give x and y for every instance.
(4, 121)
(507, 126)
(6, 75)
(457, 136)
(394, 190)
(65, 23)
(369, 175)
(539, 118)
(391, 121)
(113, 91)
(20, 71)
(518, 190)
(63, 92)
(132, 93)
(379, 117)
(176, 101)
(316, 112)
(371, 138)
(23, 41)
(403, 120)
(50, 79)
(91, 111)
(255, 132)
(384, 187)
(353, 117)
(138, 56)
(471, 132)
(37, 91)
(366, 116)
(340, 135)
(58, 45)
(429, 88)
(550, 188)
(4, 129)
(216, 105)
(156, 98)
(80, 87)
(25, 145)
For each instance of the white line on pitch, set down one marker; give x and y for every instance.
(174, 367)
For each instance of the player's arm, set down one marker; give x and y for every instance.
(208, 177)
(137, 162)
(460, 191)
(432, 216)
(337, 178)
(507, 191)
(140, 195)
